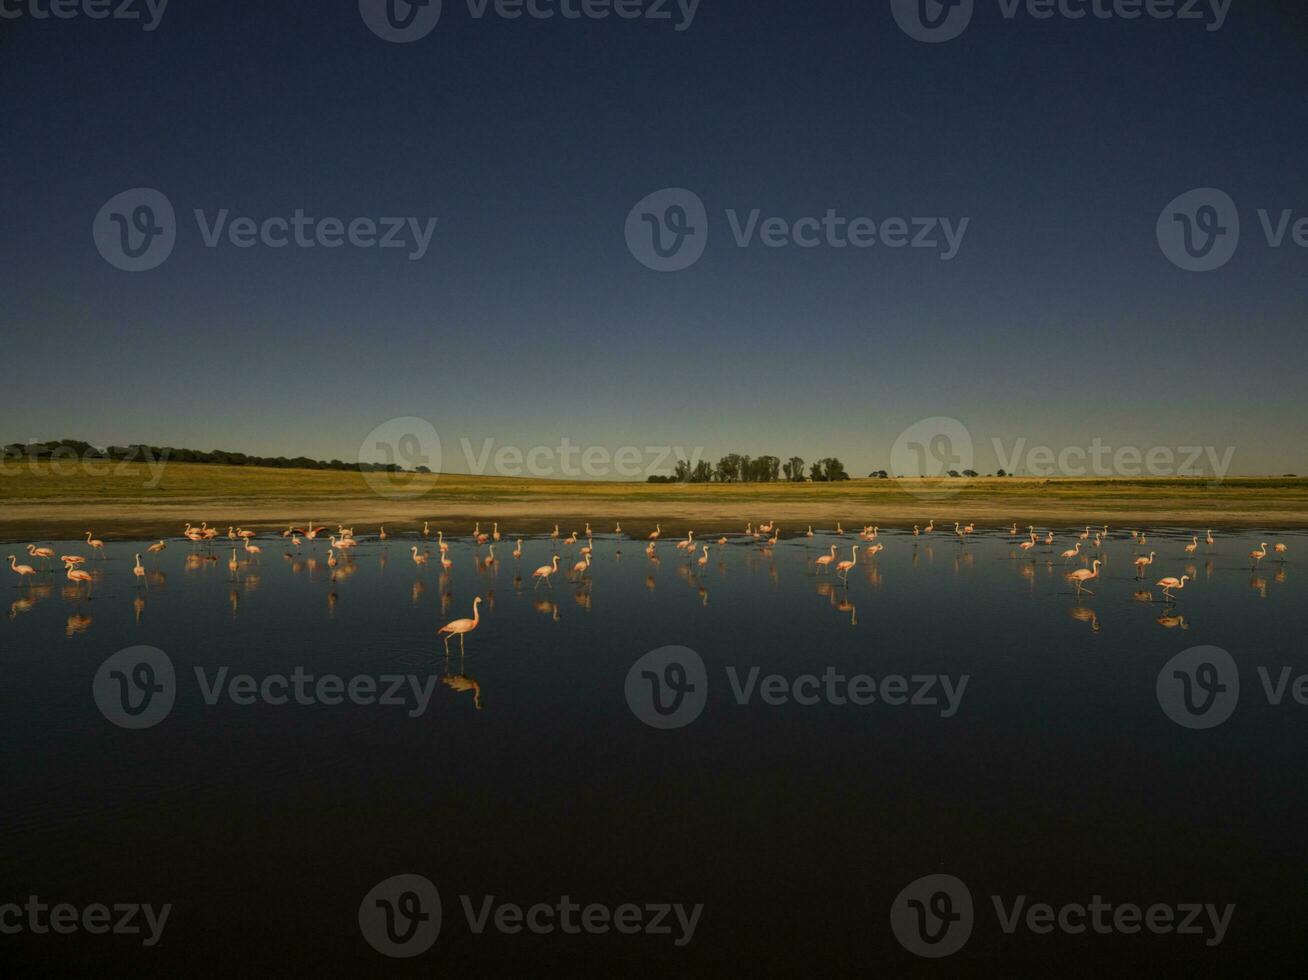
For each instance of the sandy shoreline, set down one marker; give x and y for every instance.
(45, 520)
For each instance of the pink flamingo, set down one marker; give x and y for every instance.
(419, 560)
(1142, 563)
(139, 572)
(25, 572)
(461, 627)
(95, 544)
(825, 561)
(79, 576)
(543, 573)
(46, 553)
(1083, 575)
(1258, 554)
(1171, 583)
(843, 568)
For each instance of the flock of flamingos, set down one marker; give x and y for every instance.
(343, 541)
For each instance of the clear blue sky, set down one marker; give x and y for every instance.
(528, 320)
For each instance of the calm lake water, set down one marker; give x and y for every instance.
(1039, 762)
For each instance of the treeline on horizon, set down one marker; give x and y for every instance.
(76, 449)
(738, 468)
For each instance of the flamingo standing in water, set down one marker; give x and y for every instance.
(233, 564)
(1071, 553)
(1258, 554)
(1142, 563)
(461, 627)
(825, 561)
(419, 560)
(581, 567)
(653, 535)
(1209, 539)
(490, 561)
(843, 568)
(139, 572)
(79, 576)
(703, 559)
(157, 547)
(1083, 575)
(1171, 583)
(25, 572)
(1281, 549)
(1029, 544)
(517, 552)
(440, 542)
(1193, 546)
(95, 544)
(543, 573)
(46, 553)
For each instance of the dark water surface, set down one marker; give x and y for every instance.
(529, 775)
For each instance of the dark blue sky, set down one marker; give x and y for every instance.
(528, 320)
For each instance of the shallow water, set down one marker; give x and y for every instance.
(1051, 770)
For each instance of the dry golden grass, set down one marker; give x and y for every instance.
(132, 498)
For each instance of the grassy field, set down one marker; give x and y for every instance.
(122, 499)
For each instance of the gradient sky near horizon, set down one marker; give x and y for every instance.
(528, 321)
